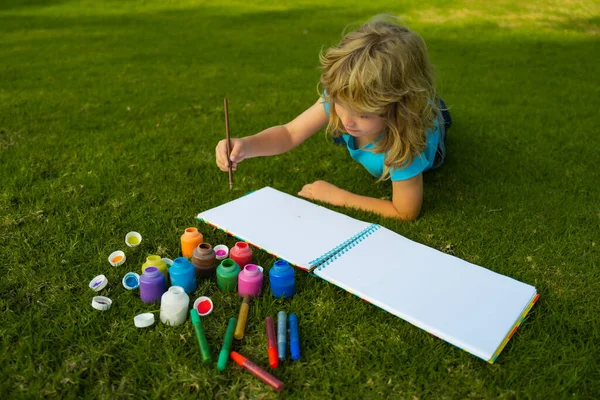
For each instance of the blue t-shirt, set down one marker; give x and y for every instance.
(373, 162)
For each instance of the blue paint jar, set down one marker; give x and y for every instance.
(281, 277)
(182, 273)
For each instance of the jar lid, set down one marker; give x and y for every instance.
(131, 281)
(133, 239)
(116, 258)
(143, 320)
(101, 303)
(98, 283)
(203, 305)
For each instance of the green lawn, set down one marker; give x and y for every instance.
(109, 115)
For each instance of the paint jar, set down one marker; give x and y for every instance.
(156, 261)
(281, 278)
(152, 285)
(182, 274)
(250, 280)
(190, 239)
(174, 305)
(204, 260)
(227, 275)
(241, 253)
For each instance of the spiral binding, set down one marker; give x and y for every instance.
(341, 249)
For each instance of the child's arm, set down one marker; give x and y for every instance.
(406, 201)
(275, 140)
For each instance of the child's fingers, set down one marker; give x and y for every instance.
(237, 152)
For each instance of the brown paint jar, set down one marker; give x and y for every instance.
(204, 260)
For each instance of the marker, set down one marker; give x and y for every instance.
(242, 318)
(257, 371)
(224, 354)
(294, 337)
(281, 333)
(272, 343)
(201, 338)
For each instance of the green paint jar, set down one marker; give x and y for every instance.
(227, 275)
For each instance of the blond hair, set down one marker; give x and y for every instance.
(383, 68)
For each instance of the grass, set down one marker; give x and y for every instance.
(109, 115)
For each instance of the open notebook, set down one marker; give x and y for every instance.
(469, 306)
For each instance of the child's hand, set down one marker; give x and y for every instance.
(325, 192)
(238, 153)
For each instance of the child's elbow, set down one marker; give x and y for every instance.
(408, 214)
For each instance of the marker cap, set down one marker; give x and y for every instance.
(143, 320)
(101, 303)
(98, 283)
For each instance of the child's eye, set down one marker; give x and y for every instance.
(365, 116)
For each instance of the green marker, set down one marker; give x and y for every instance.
(224, 354)
(202, 343)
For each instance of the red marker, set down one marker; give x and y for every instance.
(257, 371)
(273, 356)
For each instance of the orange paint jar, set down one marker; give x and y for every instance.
(190, 239)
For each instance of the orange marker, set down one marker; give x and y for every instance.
(272, 343)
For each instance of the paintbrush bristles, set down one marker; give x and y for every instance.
(227, 136)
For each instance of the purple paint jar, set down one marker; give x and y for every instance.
(152, 285)
(250, 280)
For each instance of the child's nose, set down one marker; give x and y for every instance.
(347, 121)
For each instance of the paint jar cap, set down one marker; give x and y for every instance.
(131, 281)
(133, 239)
(143, 320)
(116, 258)
(221, 251)
(203, 305)
(98, 283)
(101, 303)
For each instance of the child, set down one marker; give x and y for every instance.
(379, 100)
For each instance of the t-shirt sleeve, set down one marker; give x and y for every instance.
(417, 165)
(325, 105)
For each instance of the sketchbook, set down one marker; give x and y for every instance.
(469, 306)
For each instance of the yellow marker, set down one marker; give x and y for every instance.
(242, 318)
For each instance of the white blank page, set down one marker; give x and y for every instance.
(291, 228)
(462, 303)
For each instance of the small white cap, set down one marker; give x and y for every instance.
(101, 303)
(131, 281)
(134, 235)
(114, 255)
(98, 283)
(143, 320)
(200, 300)
(220, 248)
(167, 261)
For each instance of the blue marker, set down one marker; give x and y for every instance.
(294, 337)
(281, 333)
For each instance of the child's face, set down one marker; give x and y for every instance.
(359, 124)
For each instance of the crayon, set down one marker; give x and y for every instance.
(281, 334)
(294, 337)
(201, 338)
(242, 318)
(224, 354)
(271, 343)
(257, 371)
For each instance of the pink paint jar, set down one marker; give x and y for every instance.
(250, 280)
(241, 253)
